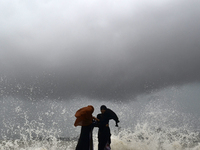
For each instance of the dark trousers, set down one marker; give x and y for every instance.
(85, 141)
(103, 137)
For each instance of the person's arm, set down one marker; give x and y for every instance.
(116, 122)
(95, 118)
(114, 117)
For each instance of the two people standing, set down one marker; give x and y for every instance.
(88, 122)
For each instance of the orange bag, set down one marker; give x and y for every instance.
(84, 116)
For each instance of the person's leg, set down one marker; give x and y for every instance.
(102, 144)
(103, 138)
(91, 139)
(85, 139)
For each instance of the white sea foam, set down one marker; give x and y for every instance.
(154, 124)
(143, 138)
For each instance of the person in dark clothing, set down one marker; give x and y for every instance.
(85, 119)
(104, 130)
(85, 141)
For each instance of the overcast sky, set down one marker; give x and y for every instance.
(102, 49)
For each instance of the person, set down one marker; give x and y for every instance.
(85, 119)
(104, 135)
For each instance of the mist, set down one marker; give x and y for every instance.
(170, 108)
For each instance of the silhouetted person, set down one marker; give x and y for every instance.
(85, 120)
(104, 129)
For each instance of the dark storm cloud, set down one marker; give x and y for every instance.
(97, 49)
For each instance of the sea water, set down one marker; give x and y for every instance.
(157, 123)
(142, 139)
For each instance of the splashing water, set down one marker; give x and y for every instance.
(146, 138)
(48, 125)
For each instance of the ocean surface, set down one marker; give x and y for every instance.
(155, 121)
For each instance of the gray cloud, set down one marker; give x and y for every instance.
(97, 49)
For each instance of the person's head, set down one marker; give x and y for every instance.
(91, 108)
(103, 108)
